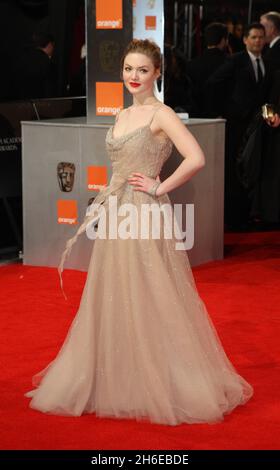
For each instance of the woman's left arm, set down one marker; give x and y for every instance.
(168, 121)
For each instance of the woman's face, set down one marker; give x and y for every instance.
(139, 73)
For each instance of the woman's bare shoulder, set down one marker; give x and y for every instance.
(165, 117)
(165, 110)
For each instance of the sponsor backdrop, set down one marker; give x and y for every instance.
(111, 24)
(11, 115)
(148, 23)
(109, 30)
(65, 163)
(64, 166)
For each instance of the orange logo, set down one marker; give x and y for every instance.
(134, 3)
(109, 98)
(97, 177)
(151, 22)
(109, 14)
(67, 212)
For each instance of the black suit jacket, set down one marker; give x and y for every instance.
(270, 175)
(199, 70)
(34, 75)
(233, 92)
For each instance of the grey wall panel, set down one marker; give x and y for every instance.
(44, 147)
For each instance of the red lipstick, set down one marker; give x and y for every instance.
(135, 85)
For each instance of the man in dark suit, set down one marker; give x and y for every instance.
(33, 69)
(270, 175)
(271, 23)
(236, 91)
(201, 68)
(238, 88)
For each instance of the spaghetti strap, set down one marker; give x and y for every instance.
(118, 114)
(155, 111)
(117, 117)
(146, 125)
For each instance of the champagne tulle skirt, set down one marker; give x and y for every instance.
(141, 345)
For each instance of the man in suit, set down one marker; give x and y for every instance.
(271, 23)
(269, 196)
(201, 68)
(34, 72)
(236, 92)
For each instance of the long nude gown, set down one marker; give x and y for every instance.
(142, 344)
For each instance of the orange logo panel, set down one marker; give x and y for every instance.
(151, 22)
(67, 212)
(97, 177)
(109, 14)
(109, 98)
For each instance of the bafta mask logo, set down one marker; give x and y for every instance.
(109, 56)
(66, 176)
(151, 3)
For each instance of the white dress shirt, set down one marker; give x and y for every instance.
(255, 66)
(274, 41)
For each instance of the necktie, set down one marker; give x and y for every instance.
(259, 71)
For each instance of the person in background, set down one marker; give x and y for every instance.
(178, 93)
(270, 172)
(236, 42)
(236, 92)
(33, 69)
(201, 68)
(271, 23)
(77, 86)
(230, 28)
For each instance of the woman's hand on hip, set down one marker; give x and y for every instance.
(143, 183)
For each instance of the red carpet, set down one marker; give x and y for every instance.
(242, 294)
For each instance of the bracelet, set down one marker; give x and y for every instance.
(153, 189)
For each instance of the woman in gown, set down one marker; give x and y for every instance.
(141, 344)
